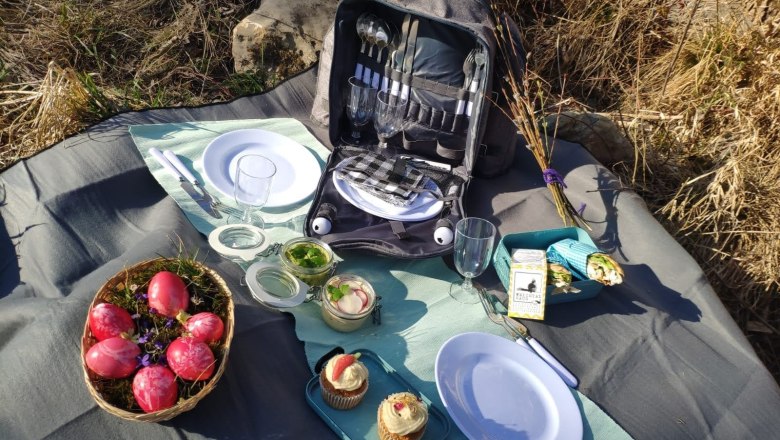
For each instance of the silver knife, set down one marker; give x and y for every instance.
(397, 60)
(408, 66)
(520, 331)
(185, 184)
(179, 165)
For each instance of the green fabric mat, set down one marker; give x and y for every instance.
(418, 315)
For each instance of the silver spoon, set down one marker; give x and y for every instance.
(360, 27)
(371, 40)
(382, 39)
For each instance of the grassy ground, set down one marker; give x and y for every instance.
(694, 84)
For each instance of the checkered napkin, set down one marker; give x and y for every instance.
(393, 180)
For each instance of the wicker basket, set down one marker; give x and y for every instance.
(88, 340)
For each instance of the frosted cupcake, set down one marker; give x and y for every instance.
(344, 381)
(402, 416)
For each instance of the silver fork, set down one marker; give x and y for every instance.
(229, 210)
(523, 338)
(468, 72)
(490, 312)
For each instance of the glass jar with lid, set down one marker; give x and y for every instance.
(347, 302)
(310, 260)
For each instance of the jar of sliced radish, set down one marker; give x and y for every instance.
(347, 301)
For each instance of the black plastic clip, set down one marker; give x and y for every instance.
(376, 314)
(398, 229)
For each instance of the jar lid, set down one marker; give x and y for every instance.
(239, 242)
(274, 285)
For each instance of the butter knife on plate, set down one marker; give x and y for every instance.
(186, 185)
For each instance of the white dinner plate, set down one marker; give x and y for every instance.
(496, 389)
(297, 169)
(424, 206)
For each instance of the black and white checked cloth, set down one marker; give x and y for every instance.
(393, 180)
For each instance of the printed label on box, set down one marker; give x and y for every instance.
(527, 284)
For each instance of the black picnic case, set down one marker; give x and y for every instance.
(454, 124)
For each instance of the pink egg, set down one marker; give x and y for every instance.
(190, 359)
(155, 388)
(113, 358)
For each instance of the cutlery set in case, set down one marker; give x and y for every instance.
(440, 59)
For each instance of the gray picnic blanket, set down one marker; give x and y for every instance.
(659, 353)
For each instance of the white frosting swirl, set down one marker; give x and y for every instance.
(351, 378)
(403, 414)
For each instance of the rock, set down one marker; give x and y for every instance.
(284, 36)
(597, 133)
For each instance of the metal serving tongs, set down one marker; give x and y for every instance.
(520, 333)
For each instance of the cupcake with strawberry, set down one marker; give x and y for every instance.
(402, 416)
(344, 381)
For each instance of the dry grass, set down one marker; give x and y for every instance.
(67, 64)
(695, 84)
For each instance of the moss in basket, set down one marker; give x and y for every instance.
(156, 331)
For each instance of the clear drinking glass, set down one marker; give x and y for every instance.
(360, 105)
(388, 117)
(474, 239)
(252, 185)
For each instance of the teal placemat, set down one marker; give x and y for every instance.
(189, 139)
(418, 315)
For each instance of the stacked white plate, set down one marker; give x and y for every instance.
(426, 205)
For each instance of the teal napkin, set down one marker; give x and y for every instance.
(418, 315)
(573, 255)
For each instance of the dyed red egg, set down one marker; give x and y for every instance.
(113, 358)
(155, 388)
(205, 327)
(108, 320)
(190, 359)
(168, 294)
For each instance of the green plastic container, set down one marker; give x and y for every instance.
(542, 240)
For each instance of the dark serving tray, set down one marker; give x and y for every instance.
(360, 422)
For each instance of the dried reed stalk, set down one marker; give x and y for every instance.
(525, 98)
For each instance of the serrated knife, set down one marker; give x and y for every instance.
(186, 185)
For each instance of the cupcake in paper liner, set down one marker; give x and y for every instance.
(401, 416)
(344, 381)
(585, 261)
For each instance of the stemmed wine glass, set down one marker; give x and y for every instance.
(252, 186)
(473, 246)
(360, 105)
(388, 117)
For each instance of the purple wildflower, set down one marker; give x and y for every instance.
(144, 339)
(140, 296)
(144, 361)
(135, 316)
(158, 345)
(152, 311)
(169, 323)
